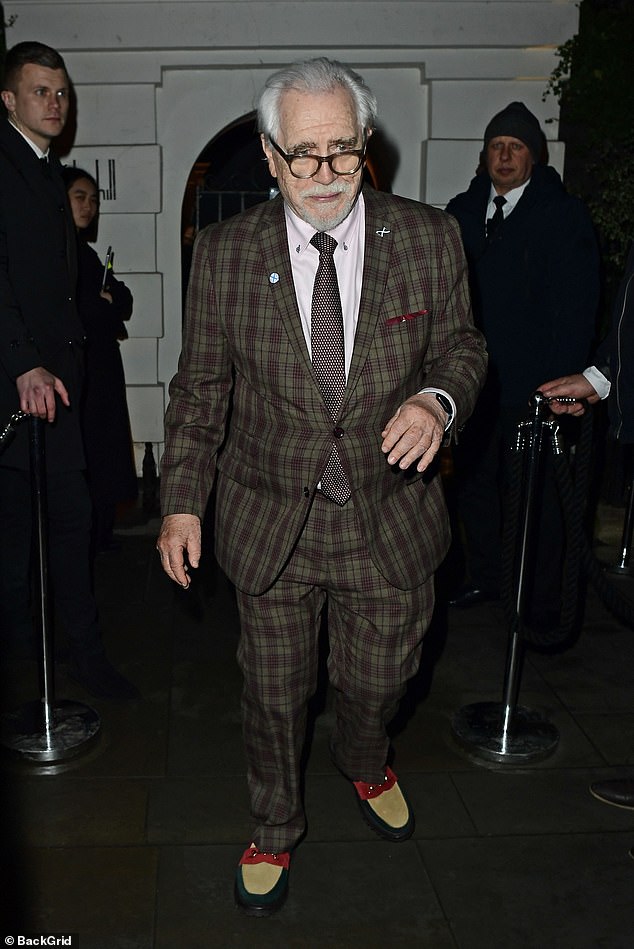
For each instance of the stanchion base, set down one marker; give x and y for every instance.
(621, 570)
(73, 729)
(478, 730)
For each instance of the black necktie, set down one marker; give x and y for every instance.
(494, 222)
(46, 169)
(327, 348)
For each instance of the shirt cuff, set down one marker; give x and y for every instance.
(597, 380)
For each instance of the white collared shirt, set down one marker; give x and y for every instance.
(512, 197)
(38, 151)
(348, 257)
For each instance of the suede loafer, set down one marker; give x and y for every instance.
(261, 883)
(385, 808)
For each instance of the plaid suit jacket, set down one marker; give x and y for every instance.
(245, 403)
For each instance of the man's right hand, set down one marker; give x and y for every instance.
(180, 534)
(36, 389)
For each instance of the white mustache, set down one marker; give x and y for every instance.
(317, 190)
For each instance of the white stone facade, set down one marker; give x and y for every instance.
(155, 82)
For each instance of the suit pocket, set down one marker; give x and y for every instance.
(405, 317)
(236, 469)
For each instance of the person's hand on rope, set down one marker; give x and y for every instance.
(569, 395)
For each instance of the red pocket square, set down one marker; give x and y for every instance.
(406, 316)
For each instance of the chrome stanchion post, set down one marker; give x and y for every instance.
(39, 510)
(515, 651)
(505, 732)
(46, 731)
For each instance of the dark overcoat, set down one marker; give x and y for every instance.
(617, 351)
(535, 285)
(39, 324)
(105, 420)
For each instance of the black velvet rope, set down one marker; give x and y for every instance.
(621, 606)
(580, 559)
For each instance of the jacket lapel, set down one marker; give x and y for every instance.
(51, 193)
(27, 165)
(379, 238)
(274, 245)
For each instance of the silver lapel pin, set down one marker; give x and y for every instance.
(382, 232)
(274, 277)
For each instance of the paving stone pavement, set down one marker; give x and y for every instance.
(133, 844)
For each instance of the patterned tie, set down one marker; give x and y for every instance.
(494, 222)
(326, 340)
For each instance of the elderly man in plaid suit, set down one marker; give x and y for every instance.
(343, 384)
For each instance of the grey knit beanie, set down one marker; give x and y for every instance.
(517, 122)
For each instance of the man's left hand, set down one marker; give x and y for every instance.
(415, 433)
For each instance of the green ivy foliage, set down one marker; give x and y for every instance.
(594, 85)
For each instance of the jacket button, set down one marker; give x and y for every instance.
(338, 432)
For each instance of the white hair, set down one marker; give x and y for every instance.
(313, 75)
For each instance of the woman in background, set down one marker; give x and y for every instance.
(106, 425)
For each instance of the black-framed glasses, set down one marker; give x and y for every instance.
(307, 166)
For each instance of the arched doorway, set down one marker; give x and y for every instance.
(229, 175)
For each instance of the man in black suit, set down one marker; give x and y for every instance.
(41, 340)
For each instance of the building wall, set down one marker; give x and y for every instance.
(156, 81)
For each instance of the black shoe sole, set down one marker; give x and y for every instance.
(251, 908)
(394, 835)
(605, 800)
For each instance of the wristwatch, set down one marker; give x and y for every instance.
(447, 406)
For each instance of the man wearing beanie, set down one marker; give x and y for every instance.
(534, 274)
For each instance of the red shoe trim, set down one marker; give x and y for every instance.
(368, 791)
(252, 855)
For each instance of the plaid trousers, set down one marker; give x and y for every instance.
(375, 638)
